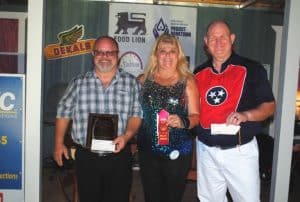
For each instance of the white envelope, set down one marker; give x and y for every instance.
(102, 146)
(217, 129)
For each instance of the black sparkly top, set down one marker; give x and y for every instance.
(155, 97)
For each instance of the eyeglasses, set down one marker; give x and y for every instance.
(106, 53)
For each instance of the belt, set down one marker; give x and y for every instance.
(104, 154)
(81, 148)
(224, 147)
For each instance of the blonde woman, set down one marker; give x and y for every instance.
(170, 103)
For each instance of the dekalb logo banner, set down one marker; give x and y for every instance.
(70, 44)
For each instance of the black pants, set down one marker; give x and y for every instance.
(163, 179)
(104, 179)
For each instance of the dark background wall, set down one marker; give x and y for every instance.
(255, 36)
(13, 5)
(61, 16)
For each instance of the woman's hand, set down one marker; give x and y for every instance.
(175, 121)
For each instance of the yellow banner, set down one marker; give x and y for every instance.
(55, 51)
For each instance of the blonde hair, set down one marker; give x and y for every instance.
(182, 66)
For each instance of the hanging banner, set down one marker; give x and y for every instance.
(12, 112)
(137, 26)
(70, 43)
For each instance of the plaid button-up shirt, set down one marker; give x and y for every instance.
(86, 94)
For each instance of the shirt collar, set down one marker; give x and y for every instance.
(225, 64)
(115, 78)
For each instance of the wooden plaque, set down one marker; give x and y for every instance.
(101, 128)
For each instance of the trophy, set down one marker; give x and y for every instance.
(102, 130)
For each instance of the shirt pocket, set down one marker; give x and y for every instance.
(123, 101)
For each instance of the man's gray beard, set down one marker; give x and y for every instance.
(104, 69)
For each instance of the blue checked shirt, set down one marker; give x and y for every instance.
(86, 94)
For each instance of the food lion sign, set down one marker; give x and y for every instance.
(12, 112)
(136, 26)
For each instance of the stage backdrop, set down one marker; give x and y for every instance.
(136, 27)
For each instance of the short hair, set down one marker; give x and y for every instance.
(182, 66)
(107, 37)
(218, 22)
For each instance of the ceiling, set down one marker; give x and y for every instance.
(276, 5)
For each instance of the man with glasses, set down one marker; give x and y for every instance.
(107, 89)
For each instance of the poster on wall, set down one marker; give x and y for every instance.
(12, 112)
(137, 26)
(69, 43)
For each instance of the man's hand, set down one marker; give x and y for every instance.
(132, 127)
(120, 143)
(60, 151)
(260, 113)
(235, 118)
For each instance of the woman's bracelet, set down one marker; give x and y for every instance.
(185, 122)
